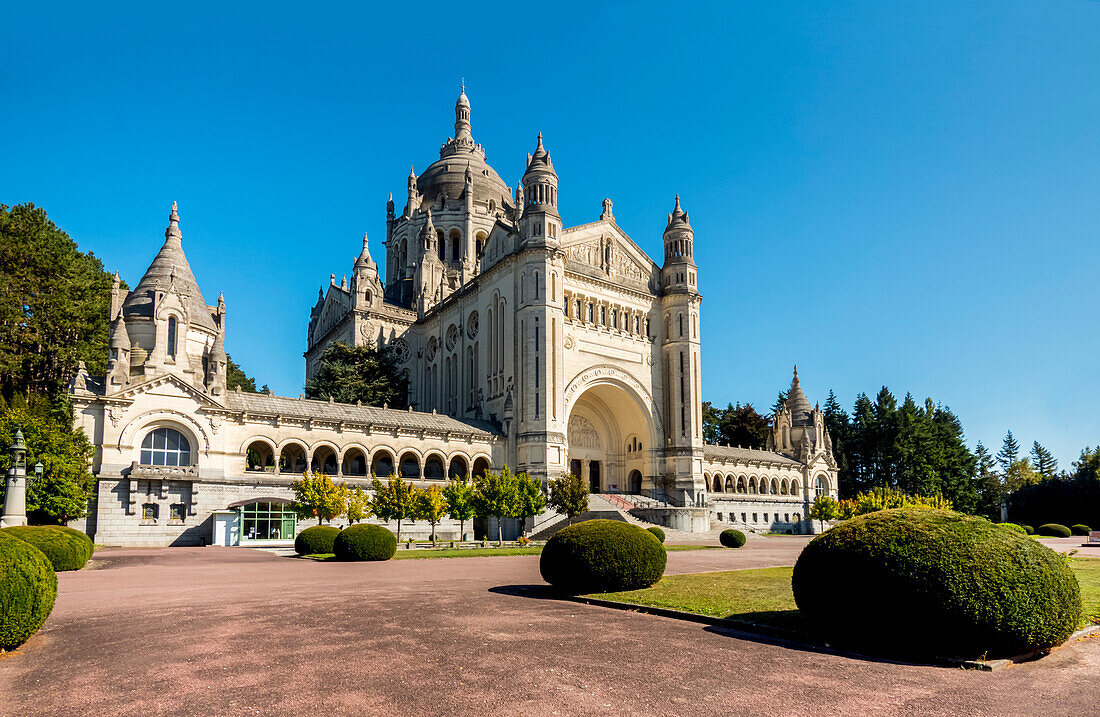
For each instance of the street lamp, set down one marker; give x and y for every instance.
(38, 469)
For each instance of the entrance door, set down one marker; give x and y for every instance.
(635, 482)
(593, 476)
(575, 467)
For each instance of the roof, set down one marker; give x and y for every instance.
(263, 403)
(170, 269)
(728, 453)
(798, 404)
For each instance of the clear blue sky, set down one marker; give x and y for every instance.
(885, 193)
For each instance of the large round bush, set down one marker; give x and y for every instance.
(1080, 529)
(731, 538)
(602, 556)
(67, 549)
(1013, 526)
(28, 588)
(316, 540)
(365, 542)
(1027, 529)
(953, 585)
(1054, 530)
(658, 532)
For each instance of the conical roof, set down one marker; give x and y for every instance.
(170, 268)
(798, 404)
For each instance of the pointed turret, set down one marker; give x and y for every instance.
(540, 194)
(364, 258)
(798, 404)
(462, 115)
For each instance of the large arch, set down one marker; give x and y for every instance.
(292, 457)
(459, 467)
(481, 467)
(382, 463)
(605, 407)
(434, 467)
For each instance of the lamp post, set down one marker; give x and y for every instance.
(15, 497)
(38, 470)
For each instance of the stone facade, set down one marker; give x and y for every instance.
(551, 349)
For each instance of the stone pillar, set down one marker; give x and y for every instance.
(15, 497)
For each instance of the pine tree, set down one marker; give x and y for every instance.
(1043, 461)
(779, 402)
(1009, 453)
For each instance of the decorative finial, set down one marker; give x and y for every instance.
(677, 208)
(463, 85)
(173, 230)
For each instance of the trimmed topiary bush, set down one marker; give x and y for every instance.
(28, 588)
(316, 540)
(66, 549)
(602, 556)
(1013, 526)
(731, 538)
(1080, 529)
(365, 541)
(1054, 530)
(960, 585)
(1028, 529)
(658, 532)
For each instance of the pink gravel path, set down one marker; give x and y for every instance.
(237, 631)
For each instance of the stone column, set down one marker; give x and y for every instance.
(15, 497)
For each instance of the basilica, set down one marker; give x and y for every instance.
(548, 348)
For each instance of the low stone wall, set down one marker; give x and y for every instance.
(689, 520)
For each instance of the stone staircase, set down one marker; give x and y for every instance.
(614, 506)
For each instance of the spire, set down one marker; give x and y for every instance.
(462, 115)
(797, 403)
(678, 216)
(173, 230)
(364, 256)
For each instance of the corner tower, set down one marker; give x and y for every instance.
(681, 348)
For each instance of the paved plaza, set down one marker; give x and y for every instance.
(239, 631)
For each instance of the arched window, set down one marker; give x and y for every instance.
(165, 447)
(821, 486)
(172, 337)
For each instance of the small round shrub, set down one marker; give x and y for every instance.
(658, 532)
(365, 541)
(28, 588)
(316, 540)
(67, 549)
(1027, 529)
(602, 556)
(1080, 529)
(1013, 526)
(1054, 530)
(960, 585)
(731, 538)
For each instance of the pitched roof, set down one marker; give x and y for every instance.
(798, 404)
(170, 268)
(717, 453)
(262, 403)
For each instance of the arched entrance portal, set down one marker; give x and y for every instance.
(610, 433)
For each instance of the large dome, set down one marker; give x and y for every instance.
(459, 154)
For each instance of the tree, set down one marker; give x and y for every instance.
(824, 508)
(496, 496)
(431, 506)
(529, 499)
(236, 377)
(1009, 453)
(1019, 474)
(780, 402)
(358, 505)
(1044, 462)
(315, 495)
(54, 305)
(459, 494)
(62, 493)
(568, 496)
(738, 425)
(367, 374)
(394, 500)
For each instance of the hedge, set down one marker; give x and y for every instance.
(731, 538)
(958, 585)
(658, 532)
(316, 540)
(602, 556)
(1080, 529)
(28, 588)
(1028, 529)
(1013, 526)
(1054, 530)
(365, 541)
(67, 549)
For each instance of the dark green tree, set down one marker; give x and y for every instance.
(359, 373)
(780, 401)
(569, 496)
(1043, 461)
(1009, 453)
(738, 425)
(54, 305)
(66, 484)
(235, 376)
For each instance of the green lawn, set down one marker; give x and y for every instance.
(763, 597)
(674, 548)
